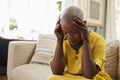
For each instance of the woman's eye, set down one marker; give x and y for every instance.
(74, 32)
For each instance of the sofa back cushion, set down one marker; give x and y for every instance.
(44, 49)
(111, 63)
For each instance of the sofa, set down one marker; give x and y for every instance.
(21, 52)
(4, 42)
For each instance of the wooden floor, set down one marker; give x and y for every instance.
(3, 77)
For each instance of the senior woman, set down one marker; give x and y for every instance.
(80, 53)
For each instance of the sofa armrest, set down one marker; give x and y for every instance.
(19, 52)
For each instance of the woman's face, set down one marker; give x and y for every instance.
(70, 33)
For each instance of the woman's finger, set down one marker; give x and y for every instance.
(58, 21)
(57, 27)
(79, 21)
(79, 27)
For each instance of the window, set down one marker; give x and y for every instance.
(26, 19)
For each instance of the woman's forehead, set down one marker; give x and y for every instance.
(67, 26)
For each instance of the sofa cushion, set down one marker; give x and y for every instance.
(31, 72)
(44, 49)
(111, 63)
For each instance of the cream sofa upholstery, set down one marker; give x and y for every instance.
(20, 53)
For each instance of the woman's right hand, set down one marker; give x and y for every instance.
(58, 31)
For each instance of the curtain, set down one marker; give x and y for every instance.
(110, 21)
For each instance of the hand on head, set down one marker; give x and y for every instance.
(80, 26)
(72, 16)
(58, 31)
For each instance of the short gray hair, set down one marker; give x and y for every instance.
(70, 12)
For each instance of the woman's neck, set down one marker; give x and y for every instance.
(77, 46)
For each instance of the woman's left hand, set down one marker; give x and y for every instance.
(81, 26)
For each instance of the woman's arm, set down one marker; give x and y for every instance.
(58, 62)
(89, 68)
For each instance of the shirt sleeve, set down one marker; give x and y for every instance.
(99, 52)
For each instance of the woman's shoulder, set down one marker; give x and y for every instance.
(95, 35)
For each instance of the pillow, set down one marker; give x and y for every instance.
(44, 49)
(111, 63)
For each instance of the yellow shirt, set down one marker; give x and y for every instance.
(73, 65)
